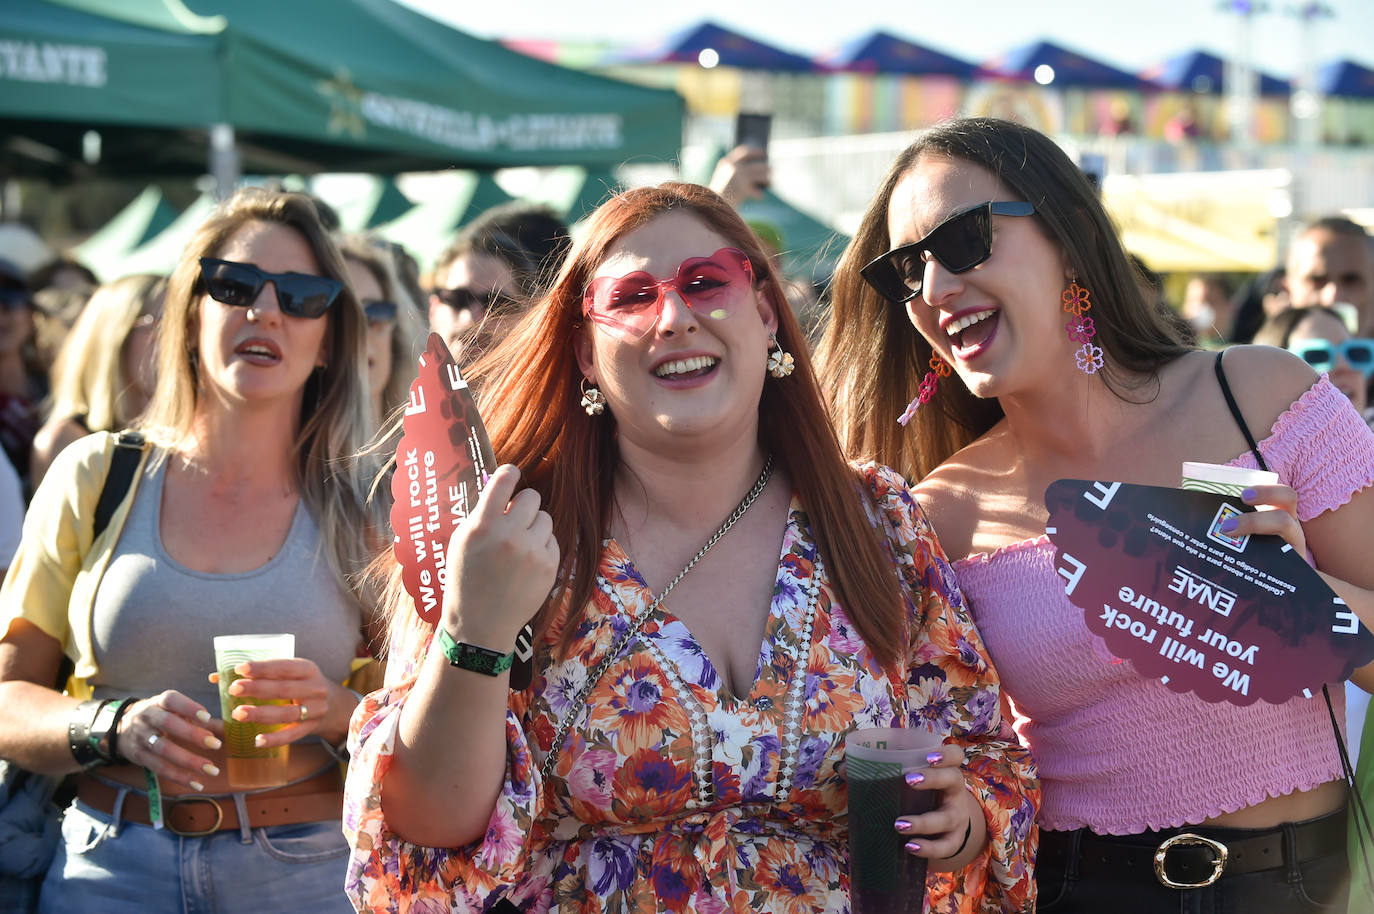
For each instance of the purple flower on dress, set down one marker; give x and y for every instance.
(691, 660)
(810, 755)
(611, 866)
(982, 706)
(938, 712)
(758, 768)
(643, 696)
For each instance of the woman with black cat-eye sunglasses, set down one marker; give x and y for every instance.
(241, 511)
(1024, 352)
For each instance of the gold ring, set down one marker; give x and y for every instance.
(304, 713)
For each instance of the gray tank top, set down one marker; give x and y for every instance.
(154, 618)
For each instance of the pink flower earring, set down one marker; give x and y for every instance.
(939, 368)
(1081, 330)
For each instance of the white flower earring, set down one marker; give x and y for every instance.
(593, 400)
(780, 361)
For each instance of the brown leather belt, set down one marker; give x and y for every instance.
(189, 814)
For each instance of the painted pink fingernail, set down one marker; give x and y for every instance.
(903, 826)
(914, 777)
(934, 758)
(912, 847)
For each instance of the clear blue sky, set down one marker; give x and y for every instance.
(1127, 33)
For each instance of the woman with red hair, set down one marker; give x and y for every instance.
(718, 597)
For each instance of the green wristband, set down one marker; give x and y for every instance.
(471, 657)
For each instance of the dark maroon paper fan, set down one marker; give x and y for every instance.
(442, 464)
(1228, 619)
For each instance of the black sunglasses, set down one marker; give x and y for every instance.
(380, 311)
(960, 243)
(489, 302)
(238, 284)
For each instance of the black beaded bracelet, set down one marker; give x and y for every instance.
(111, 737)
(79, 727)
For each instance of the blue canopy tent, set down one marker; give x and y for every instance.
(732, 49)
(883, 52)
(1072, 70)
(1346, 79)
(1199, 71)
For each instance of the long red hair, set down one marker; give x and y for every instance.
(529, 395)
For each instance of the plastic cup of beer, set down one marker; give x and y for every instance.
(883, 877)
(1224, 480)
(248, 765)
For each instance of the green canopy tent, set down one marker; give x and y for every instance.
(303, 86)
(161, 253)
(139, 222)
(573, 192)
(374, 200)
(809, 247)
(427, 228)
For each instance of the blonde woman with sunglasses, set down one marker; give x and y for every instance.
(242, 515)
(989, 337)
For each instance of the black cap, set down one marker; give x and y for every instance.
(11, 275)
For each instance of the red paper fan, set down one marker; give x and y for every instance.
(442, 465)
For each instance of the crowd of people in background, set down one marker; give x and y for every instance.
(644, 374)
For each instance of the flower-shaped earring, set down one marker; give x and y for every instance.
(939, 368)
(780, 361)
(1081, 330)
(593, 400)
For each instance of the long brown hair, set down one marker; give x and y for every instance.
(529, 398)
(871, 358)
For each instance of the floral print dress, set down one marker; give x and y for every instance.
(669, 794)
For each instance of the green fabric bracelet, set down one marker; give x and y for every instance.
(471, 657)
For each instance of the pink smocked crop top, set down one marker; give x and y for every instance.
(1119, 753)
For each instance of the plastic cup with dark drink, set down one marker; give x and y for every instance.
(883, 877)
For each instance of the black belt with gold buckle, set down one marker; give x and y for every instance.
(1193, 857)
(1220, 854)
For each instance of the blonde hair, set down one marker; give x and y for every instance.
(88, 375)
(408, 335)
(335, 413)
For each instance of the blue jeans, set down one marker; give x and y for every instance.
(108, 867)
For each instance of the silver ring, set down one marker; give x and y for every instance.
(304, 713)
(152, 740)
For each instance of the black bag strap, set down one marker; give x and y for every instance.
(123, 464)
(1236, 414)
(1362, 822)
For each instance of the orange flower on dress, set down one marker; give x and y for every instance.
(784, 873)
(639, 706)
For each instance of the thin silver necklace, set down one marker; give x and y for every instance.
(600, 669)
